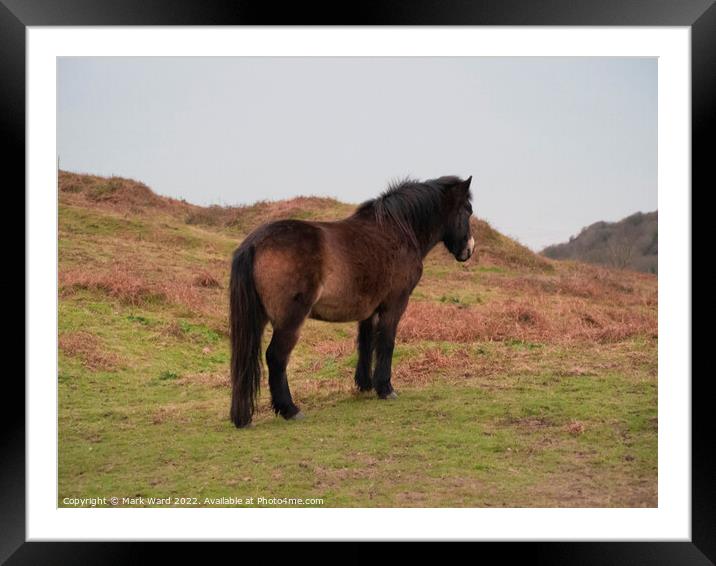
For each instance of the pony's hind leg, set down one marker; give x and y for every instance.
(277, 354)
(365, 354)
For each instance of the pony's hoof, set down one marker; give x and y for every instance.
(392, 395)
(297, 417)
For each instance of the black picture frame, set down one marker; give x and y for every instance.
(699, 15)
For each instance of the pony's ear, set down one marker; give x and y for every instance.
(464, 186)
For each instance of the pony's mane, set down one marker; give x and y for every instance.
(409, 204)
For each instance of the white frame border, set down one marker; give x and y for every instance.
(670, 521)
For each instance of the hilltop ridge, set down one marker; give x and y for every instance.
(120, 195)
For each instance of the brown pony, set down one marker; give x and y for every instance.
(362, 268)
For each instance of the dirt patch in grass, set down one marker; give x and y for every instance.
(578, 486)
(334, 348)
(89, 350)
(206, 279)
(213, 379)
(169, 413)
(575, 428)
(530, 423)
(322, 388)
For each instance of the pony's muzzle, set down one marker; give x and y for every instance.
(466, 253)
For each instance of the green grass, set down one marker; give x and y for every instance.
(153, 428)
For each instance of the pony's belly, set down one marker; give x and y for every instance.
(341, 310)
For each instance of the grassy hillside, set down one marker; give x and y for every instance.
(522, 381)
(631, 243)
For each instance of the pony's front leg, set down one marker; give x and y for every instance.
(384, 345)
(365, 354)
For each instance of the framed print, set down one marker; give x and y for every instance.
(293, 277)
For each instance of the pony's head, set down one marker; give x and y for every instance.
(427, 212)
(458, 210)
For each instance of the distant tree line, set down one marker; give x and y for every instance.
(631, 243)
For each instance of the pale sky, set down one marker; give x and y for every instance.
(553, 144)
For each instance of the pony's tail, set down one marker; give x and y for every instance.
(247, 320)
